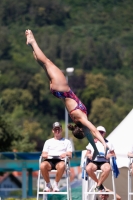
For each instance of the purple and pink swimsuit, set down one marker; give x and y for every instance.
(70, 94)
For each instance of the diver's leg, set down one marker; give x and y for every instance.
(57, 78)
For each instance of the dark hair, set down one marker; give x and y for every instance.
(76, 131)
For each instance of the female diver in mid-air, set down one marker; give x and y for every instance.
(60, 88)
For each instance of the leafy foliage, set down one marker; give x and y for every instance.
(95, 37)
(11, 139)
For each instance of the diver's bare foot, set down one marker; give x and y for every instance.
(30, 37)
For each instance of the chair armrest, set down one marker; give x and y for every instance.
(40, 160)
(114, 166)
(67, 160)
(84, 162)
(111, 161)
(130, 160)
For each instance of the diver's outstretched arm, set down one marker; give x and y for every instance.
(91, 140)
(94, 132)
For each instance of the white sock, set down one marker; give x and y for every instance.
(55, 183)
(48, 184)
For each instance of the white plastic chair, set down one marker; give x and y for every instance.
(67, 176)
(130, 193)
(88, 185)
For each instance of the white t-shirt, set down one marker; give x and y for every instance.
(100, 148)
(57, 147)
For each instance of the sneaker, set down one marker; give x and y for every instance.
(102, 187)
(99, 188)
(48, 188)
(96, 189)
(55, 188)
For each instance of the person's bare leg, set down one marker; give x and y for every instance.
(91, 168)
(45, 168)
(105, 173)
(57, 78)
(60, 170)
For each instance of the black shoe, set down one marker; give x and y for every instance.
(99, 188)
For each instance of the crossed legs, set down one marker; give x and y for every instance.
(91, 168)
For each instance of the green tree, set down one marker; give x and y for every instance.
(11, 138)
(95, 86)
(104, 112)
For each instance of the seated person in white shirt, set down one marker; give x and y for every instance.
(100, 162)
(56, 146)
(130, 155)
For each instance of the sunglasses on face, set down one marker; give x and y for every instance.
(57, 129)
(102, 132)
